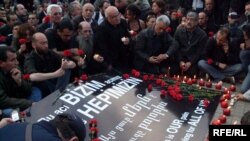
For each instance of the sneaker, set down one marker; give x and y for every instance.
(207, 76)
(230, 80)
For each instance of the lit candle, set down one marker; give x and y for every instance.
(189, 82)
(209, 84)
(194, 79)
(178, 78)
(168, 72)
(232, 88)
(224, 104)
(223, 119)
(227, 111)
(201, 82)
(218, 86)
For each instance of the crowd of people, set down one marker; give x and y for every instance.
(51, 42)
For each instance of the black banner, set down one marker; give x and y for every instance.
(127, 111)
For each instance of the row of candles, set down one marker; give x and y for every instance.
(225, 98)
(202, 82)
(218, 86)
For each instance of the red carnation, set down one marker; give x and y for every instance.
(47, 19)
(125, 76)
(163, 84)
(2, 23)
(163, 93)
(178, 15)
(191, 97)
(93, 129)
(22, 41)
(137, 74)
(150, 87)
(158, 81)
(210, 61)
(168, 29)
(67, 53)
(160, 76)
(26, 76)
(80, 52)
(145, 77)
(179, 97)
(93, 121)
(151, 77)
(2, 38)
(210, 34)
(206, 102)
(132, 33)
(84, 77)
(133, 71)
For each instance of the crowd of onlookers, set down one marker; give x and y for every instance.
(46, 44)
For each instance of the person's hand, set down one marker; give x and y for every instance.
(225, 47)
(185, 66)
(242, 46)
(162, 57)
(222, 66)
(5, 121)
(240, 96)
(80, 61)
(188, 65)
(182, 65)
(22, 48)
(16, 75)
(153, 60)
(125, 40)
(66, 64)
(98, 58)
(60, 72)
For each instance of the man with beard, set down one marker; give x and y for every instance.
(191, 40)
(48, 71)
(84, 39)
(154, 48)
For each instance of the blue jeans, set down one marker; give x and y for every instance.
(36, 95)
(245, 59)
(219, 74)
(246, 83)
(49, 86)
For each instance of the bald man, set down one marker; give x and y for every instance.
(87, 14)
(84, 41)
(48, 71)
(113, 48)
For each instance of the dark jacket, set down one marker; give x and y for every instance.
(149, 44)
(191, 46)
(217, 54)
(11, 95)
(42, 131)
(107, 43)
